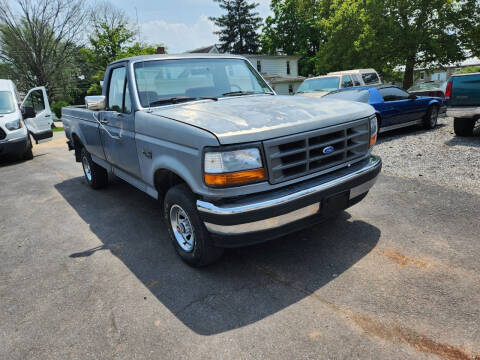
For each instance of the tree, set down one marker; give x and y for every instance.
(238, 27)
(470, 26)
(38, 39)
(112, 38)
(293, 29)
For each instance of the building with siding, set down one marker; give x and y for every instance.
(443, 73)
(281, 71)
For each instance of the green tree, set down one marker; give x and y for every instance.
(38, 41)
(386, 34)
(238, 27)
(293, 30)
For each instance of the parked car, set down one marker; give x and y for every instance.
(432, 89)
(394, 107)
(18, 123)
(232, 162)
(321, 85)
(463, 102)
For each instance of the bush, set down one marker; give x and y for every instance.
(57, 107)
(468, 70)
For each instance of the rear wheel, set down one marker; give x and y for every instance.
(463, 127)
(187, 232)
(95, 175)
(431, 118)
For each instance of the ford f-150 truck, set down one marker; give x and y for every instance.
(232, 162)
(463, 102)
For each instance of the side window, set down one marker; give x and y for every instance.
(370, 78)
(116, 89)
(35, 100)
(347, 81)
(128, 100)
(393, 94)
(356, 81)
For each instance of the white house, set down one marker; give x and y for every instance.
(281, 71)
(442, 73)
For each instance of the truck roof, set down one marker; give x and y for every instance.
(476, 73)
(177, 57)
(354, 71)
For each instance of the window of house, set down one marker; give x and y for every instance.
(393, 94)
(288, 67)
(259, 66)
(422, 75)
(290, 89)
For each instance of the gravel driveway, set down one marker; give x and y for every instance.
(437, 156)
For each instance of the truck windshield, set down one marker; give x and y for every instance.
(7, 104)
(321, 84)
(190, 79)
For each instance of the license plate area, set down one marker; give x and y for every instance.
(335, 203)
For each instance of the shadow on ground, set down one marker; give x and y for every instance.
(466, 141)
(413, 130)
(245, 286)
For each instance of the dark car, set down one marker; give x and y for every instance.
(394, 107)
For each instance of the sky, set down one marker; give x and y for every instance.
(179, 24)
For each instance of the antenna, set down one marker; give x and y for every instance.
(138, 26)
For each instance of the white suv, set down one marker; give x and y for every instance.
(19, 121)
(321, 85)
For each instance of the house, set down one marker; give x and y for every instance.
(443, 73)
(281, 71)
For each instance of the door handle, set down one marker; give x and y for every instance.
(47, 115)
(104, 122)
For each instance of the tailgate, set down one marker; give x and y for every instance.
(465, 91)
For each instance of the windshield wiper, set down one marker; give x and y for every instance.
(179, 99)
(240, 93)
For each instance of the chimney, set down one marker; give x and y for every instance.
(161, 50)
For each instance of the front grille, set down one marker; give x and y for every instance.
(2, 134)
(306, 153)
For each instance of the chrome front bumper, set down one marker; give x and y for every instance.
(255, 215)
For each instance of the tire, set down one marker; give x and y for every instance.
(28, 154)
(188, 234)
(431, 118)
(463, 127)
(95, 175)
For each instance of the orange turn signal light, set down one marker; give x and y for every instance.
(235, 178)
(373, 140)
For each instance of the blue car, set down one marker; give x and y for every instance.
(395, 108)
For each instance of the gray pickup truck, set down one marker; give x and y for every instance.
(233, 163)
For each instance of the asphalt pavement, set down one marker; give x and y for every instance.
(90, 274)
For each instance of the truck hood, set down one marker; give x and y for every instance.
(242, 119)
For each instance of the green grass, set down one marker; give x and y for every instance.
(57, 129)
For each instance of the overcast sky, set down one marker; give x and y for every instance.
(180, 24)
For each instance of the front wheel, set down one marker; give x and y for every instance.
(463, 127)
(95, 175)
(188, 234)
(28, 154)
(430, 120)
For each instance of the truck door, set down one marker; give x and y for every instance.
(118, 131)
(40, 126)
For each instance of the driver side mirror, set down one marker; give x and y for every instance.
(97, 102)
(412, 97)
(28, 112)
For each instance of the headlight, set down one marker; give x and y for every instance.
(13, 125)
(233, 167)
(373, 130)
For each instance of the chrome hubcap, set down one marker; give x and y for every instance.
(86, 168)
(182, 228)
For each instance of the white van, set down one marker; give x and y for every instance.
(321, 85)
(20, 122)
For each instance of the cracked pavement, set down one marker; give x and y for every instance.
(90, 274)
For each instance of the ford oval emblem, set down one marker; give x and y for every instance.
(328, 149)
